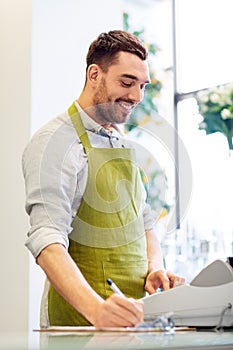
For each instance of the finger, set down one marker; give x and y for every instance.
(178, 282)
(164, 279)
(150, 288)
(130, 309)
(131, 305)
(165, 282)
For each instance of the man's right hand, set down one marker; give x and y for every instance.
(118, 311)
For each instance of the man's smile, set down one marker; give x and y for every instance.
(127, 106)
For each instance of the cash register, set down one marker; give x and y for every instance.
(206, 302)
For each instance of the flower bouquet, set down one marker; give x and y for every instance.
(216, 108)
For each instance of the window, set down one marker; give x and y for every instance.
(195, 38)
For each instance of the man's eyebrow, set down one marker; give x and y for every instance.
(130, 76)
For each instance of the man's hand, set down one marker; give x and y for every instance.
(117, 311)
(162, 279)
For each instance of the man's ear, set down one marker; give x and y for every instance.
(93, 74)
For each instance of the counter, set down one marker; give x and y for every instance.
(118, 340)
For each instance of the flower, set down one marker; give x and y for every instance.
(225, 114)
(216, 107)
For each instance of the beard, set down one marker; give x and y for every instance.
(105, 110)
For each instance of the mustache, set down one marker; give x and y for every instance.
(126, 101)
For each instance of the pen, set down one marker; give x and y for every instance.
(114, 287)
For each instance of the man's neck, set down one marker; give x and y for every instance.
(89, 108)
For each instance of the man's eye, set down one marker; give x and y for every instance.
(126, 84)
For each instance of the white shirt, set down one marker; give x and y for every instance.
(55, 172)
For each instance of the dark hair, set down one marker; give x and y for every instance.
(104, 50)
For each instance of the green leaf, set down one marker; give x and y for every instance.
(125, 21)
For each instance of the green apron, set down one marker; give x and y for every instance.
(108, 238)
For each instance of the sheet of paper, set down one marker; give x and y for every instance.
(91, 329)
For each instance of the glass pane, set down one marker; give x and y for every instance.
(204, 43)
(208, 226)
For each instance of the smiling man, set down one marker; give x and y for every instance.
(87, 205)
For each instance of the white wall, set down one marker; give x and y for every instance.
(62, 33)
(43, 44)
(15, 95)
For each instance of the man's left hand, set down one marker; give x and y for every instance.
(162, 279)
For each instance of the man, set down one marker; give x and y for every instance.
(89, 218)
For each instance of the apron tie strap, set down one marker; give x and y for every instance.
(78, 125)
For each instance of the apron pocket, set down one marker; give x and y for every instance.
(129, 276)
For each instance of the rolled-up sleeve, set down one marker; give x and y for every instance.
(51, 164)
(148, 217)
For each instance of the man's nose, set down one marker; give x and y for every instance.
(136, 94)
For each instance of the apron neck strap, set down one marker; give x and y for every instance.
(79, 127)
